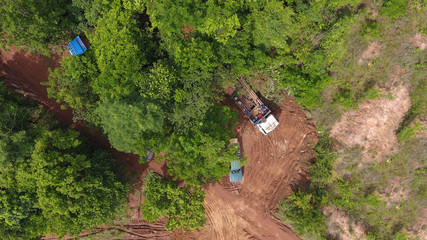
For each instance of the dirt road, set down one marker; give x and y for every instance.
(235, 211)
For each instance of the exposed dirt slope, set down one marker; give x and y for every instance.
(235, 211)
(374, 124)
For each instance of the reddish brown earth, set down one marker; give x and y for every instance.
(246, 210)
(243, 210)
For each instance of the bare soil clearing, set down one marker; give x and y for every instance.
(374, 124)
(342, 226)
(419, 40)
(245, 210)
(373, 51)
(235, 211)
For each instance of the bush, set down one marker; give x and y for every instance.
(182, 206)
(302, 212)
(394, 8)
(132, 125)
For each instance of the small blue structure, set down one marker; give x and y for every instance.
(76, 47)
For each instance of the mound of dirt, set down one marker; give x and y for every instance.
(419, 40)
(245, 210)
(373, 51)
(342, 226)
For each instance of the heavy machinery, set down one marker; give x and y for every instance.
(253, 107)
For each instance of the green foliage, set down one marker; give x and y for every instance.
(64, 173)
(335, 44)
(46, 186)
(221, 23)
(302, 212)
(321, 171)
(307, 83)
(121, 50)
(132, 125)
(341, 3)
(14, 112)
(371, 29)
(408, 132)
(200, 155)
(273, 26)
(51, 180)
(195, 56)
(192, 101)
(182, 206)
(419, 105)
(36, 24)
(93, 9)
(394, 8)
(158, 83)
(177, 55)
(72, 84)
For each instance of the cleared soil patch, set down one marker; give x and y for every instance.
(373, 51)
(235, 211)
(374, 124)
(419, 40)
(246, 210)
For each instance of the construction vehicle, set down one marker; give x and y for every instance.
(253, 107)
(76, 46)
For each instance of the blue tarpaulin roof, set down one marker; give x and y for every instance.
(76, 46)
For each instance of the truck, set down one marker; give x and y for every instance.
(252, 106)
(76, 46)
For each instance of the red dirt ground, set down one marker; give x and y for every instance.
(246, 210)
(235, 211)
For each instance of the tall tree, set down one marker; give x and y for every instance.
(182, 206)
(122, 48)
(273, 26)
(35, 24)
(72, 84)
(199, 155)
(132, 125)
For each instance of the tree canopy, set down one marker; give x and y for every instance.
(52, 180)
(156, 70)
(132, 126)
(182, 206)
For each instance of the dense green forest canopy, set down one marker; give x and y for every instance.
(183, 206)
(156, 70)
(52, 180)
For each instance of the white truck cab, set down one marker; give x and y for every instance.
(268, 124)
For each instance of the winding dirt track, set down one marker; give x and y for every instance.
(235, 211)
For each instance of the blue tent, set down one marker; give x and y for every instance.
(76, 46)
